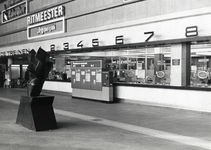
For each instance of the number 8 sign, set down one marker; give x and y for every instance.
(191, 31)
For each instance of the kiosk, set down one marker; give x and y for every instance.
(91, 79)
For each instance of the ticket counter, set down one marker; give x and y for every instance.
(58, 86)
(187, 98)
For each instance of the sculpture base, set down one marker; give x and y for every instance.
(36, 113)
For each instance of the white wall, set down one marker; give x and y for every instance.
(175, 98)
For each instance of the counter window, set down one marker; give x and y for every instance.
(144, 66)
(61, 69)
(200, 65)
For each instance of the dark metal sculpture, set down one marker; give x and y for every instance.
(38, 69)
(36, 111)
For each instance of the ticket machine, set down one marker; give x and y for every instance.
(90, 80)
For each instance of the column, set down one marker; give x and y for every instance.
(9, 62)
(180, 64)
(8, 73)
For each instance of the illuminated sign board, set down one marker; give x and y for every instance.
(13, 11)
(46, 15)
(45, 23)
(46, 28)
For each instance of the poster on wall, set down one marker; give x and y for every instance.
(98, 77)
(176, 62)
(139, 66)
(141, 73)
(87, 78)
(78, 76)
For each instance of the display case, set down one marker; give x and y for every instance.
(90, 79)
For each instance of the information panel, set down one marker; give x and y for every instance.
(87, 74)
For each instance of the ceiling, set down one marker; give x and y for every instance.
(2, 1)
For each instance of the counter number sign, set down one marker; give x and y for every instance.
(191, 31)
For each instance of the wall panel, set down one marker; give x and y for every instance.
(15, 37)
(90, 20)
(140, 10)
(118, 15)
(90, 5)
(84, 14)
(81, 5)
(153, 8)
(167, 6)
(99, 19)
(108, 2)
(76, 24)
(39, 4)
(129, 12)
(99, 4)
(181, 5)
(108, 17)
(73, 8)
(200, 3)
(117, 1)
(13, 25)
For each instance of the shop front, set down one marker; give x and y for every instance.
(165, 74)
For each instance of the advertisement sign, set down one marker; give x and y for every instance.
(13, 11)
(47, 22)
(175, 62)
(160, 74)
(202, 74)
(47, 28)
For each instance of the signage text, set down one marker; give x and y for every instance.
(46, 29)
(15, 52)
(14, 12)
(46, 15)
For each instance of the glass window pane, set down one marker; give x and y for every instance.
(200, 65)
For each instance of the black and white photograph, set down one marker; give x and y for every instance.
(105, 74)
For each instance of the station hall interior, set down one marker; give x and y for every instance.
(105, 74)
(112, 49)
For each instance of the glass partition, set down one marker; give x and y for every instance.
(61, 68)
(146, 65)
(135, 66)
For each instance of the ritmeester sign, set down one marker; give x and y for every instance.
(47, 22)
(46, 15)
